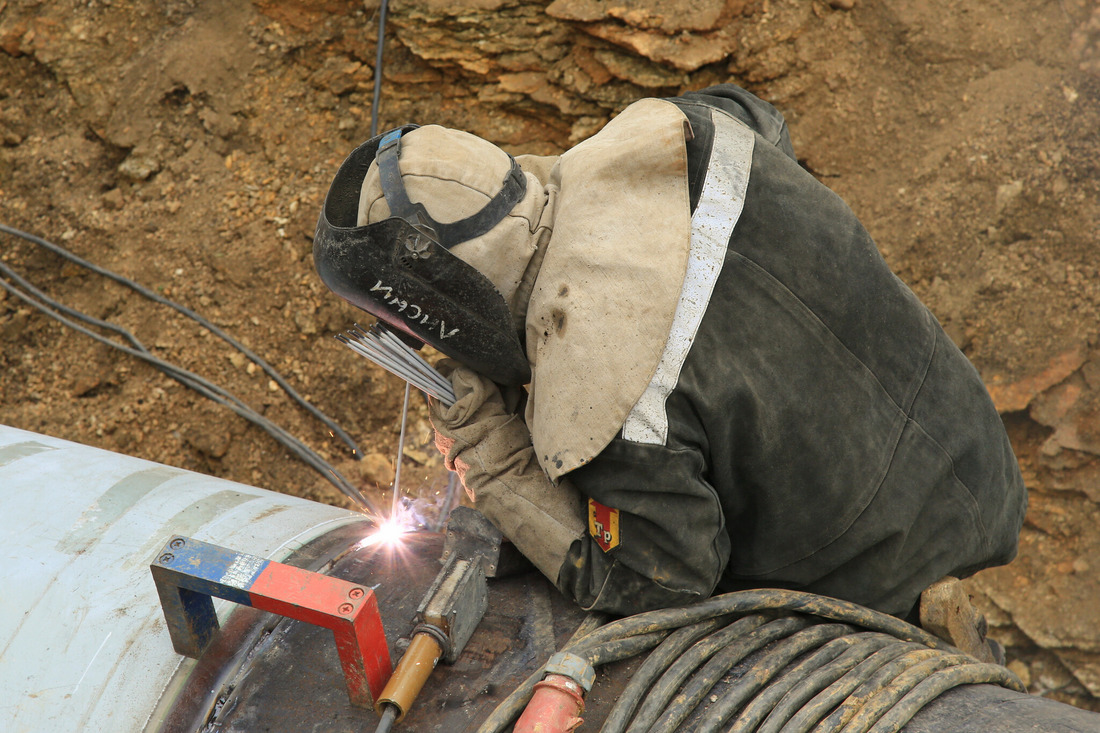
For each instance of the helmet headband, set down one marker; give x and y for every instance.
(512, 191)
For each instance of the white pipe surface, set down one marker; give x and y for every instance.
(83, 642)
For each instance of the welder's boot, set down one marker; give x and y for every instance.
(946, 611)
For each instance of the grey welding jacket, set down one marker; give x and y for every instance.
(811, 428)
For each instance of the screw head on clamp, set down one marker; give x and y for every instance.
(166, 558)
(176, 543)
(355, 593)
(346, 608)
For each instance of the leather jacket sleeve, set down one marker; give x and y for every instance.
(665, 544)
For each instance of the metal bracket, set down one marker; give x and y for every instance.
(189, 572)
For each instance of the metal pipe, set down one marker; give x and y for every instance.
(84, 638)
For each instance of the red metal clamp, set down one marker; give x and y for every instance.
(189, 572)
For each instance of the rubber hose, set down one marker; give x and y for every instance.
(768, 599)
(819, 680)
(701, 651)
(702, 681)
(852, 704)
(618, 649)
(826, 700)
(938, 683)
(763, 703)
(656, 663)
(772, 663)
(694, 644)
(905, 682)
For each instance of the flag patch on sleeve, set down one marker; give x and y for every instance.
(603, 525)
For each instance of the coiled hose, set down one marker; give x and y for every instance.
(811, 663)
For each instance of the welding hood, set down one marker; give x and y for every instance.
(400, 269)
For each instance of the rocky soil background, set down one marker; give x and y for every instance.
(188, 144)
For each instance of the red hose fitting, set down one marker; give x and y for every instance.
(555, 707)
(558, 701)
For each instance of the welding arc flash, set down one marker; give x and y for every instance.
(387, 533)
(390, 531)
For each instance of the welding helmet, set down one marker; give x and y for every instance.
(401, 270)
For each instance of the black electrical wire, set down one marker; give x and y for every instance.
(619, 649)
(840, 717)
(793, 670)
(766, 599)
(50, 307)
(385, 723)
(656, 663)
(812, 683)
(826, 700)
(665, 687)
(377, 95)
(763, 703)
(770, 663)
(702, 681)
(212, 328)
(884, 699)
(935, 685)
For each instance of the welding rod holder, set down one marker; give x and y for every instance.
(188, 573)
(447, 617)
(455, 603)
(412, 672)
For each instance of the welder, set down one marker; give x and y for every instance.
(681, 364)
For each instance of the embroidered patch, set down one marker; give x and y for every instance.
(603, 525)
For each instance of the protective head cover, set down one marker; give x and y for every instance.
(398, 267)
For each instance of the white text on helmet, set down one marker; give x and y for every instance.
(406, 308)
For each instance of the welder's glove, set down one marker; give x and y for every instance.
(489, 447)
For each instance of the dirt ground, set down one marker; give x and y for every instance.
(188, 144)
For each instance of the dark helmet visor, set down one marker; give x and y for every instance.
(404, 276)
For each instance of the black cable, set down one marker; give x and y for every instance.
(757, 710)
(618, 649)
(189, 379)
(882, 700)
(935, 685)
(826, 700)
(795, 668)
(49, 307)
(212, 328)
(377, 96)
(840, 717)
(770, 663)
(821, 678)
(702, 681)
(678, 671)
(656, 663)
(385, 724)
(768, 599)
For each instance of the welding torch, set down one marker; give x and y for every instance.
(450, 611)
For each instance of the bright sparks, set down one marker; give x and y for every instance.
(388, 533)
